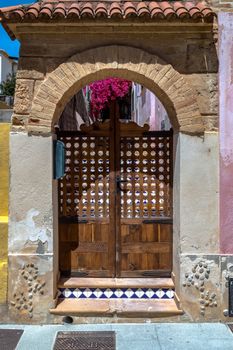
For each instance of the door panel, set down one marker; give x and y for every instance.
(146, 176)
(84, 197)
(92, 251)
(146, 249)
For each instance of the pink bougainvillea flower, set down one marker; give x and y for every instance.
(105, 91)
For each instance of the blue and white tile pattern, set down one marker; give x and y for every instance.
(115, 293)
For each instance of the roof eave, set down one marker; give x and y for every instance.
(7, 28)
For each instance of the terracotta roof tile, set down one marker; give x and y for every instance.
(32, 12)
(73, 11)
(77, 10)
(143, 10)
(155, 10)
(59, 11)
(46, 11)
(129, 10)
(181, 11)
(64, 8)
(115, 10)
(87, 10)
(101, 10)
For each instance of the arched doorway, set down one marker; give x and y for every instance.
(115, 199)
(51, 98)
(56, 61)
(126, 62)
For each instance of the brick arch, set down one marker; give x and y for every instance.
(131, 63)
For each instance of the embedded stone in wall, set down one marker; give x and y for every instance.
(200, 292)
(23, 96)
(197, 278)
(31, 293)
(23, 300)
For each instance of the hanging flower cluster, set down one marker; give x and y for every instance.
(105, 91)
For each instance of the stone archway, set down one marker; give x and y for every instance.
(121, 61)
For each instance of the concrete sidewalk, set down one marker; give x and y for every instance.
(160, 336)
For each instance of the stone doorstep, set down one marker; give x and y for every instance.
(78, 282)
(120, 307)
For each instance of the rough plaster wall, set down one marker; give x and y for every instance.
(30, 190)
(31, 228)
(199, 193)
(195, 203)
(196, 260)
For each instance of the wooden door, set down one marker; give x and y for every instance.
(146, 205)
(115, 201)
(86, 201)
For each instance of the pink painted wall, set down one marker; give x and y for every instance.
(226, 130)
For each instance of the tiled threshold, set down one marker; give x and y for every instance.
(120, 307)
(148, 297)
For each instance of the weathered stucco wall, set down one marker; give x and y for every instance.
(199, 193)
(32, 235)
(200, 267)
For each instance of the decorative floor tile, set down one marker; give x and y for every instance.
(115, 293)
(160, 293)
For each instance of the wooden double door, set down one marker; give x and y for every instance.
(115, 201)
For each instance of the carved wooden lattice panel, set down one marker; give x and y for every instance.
(84, 204)
(84, 190)
(146, 170)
